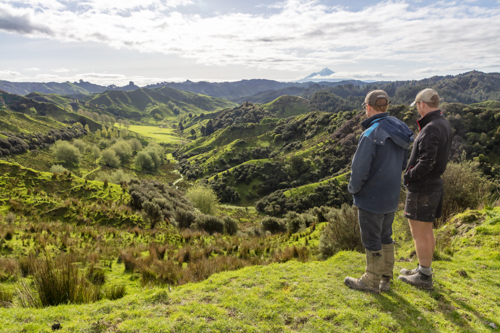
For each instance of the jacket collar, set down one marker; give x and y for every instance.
(368, 122)
(422, 122)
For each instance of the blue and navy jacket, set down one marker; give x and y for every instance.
(378, 163)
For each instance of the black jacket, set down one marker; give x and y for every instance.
(430, 154)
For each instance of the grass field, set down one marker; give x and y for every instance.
(156, 133)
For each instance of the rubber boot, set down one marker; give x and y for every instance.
(373, 273)
(387, 272)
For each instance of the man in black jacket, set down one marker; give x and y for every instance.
(422, 178)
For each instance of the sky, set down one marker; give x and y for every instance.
(149, 41)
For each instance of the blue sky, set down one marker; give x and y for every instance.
(147, 41)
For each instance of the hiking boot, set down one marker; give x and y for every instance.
(357, 284)
(419, 280)
(405, 271)
(388, 268)
(371, 279)
(385, 283)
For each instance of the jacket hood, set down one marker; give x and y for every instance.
(398, 131)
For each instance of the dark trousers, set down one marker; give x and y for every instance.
(376, 229)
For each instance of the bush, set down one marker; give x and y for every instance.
(116, 177)
(209, 223)
(10, 218)
(57, 168)
(109, 157)
(342, 232)
(151, 213)
(464, 187)
(273, 224)
(60, 282)
(104, 143)
(135, 144)
(115, 292)
(66, 152)
(203, 198)
(79, 144)
(230, 225)
(294, 222)
(184, 218)
(143, 161)
(5, 297)
(96, 152)
(122, 150)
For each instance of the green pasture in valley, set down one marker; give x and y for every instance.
(156, 133)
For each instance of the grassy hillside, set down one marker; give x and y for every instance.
(145, 102)
(287, 106)
(305, 297)
(42, 111)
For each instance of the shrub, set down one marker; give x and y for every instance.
(57, 168)
(116, 177)
(5, 297)
(109, 157)
(115, 292)
(464, 187)
(143, 161)
(9, 234)
(96, 152)
(209, 223)
(96, 275)
(273, 224)
(135, 144)
(342, 231)
(59, 282)
(79, 144)
(104, 143)
(66, 152)
(294, 222)
(184, 218)
(203, 198)
(10, 218)
(230, 225)
(122, 150)
(151, 213)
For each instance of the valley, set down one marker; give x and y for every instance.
(164, 209)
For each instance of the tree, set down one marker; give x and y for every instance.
(79, 144)
(123, 150)
(151, 213)
(96, 153)
(87, 128)
(66, 152)
(109, 157)
(135, 144)
(143, 161)
(193, 132)
(190, 115)
(180, 126)
(210, 128)
(32, 111)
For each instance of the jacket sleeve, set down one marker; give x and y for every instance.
(361, 164)
(428, 147)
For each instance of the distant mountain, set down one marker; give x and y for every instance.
(318, 75)
(66, 88)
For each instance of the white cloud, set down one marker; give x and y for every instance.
(302, 35)
(32, 69)
(9, 75)
(61, 70)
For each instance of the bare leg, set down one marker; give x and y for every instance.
(425, 243)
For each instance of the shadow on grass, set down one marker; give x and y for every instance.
(406, 314)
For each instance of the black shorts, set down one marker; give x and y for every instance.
(424, 206)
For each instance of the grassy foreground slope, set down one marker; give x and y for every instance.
(307, 297)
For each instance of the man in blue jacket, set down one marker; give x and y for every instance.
(375, 185)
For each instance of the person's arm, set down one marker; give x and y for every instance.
(428, 147)
(361, 164)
